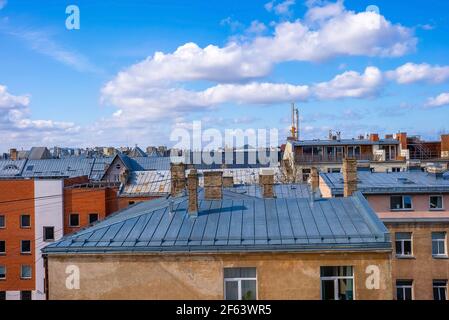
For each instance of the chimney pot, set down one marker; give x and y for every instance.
(192, 186)
(228, 180)
(267, 181)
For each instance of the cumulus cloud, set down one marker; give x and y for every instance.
(438, 101)
(351, 84)
(412, 72)
(282, 8)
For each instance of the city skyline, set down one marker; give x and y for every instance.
(135, 71)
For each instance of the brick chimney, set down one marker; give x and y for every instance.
(266, 178)
(349, 176)
(445, 146)
(374, 137)
(178, 178)
(314, 179)
(13, 154)
(228, 180)
(402, 137)
(213, 184)
(192, 187)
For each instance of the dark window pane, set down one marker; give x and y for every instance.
(2, 221)
(407, 247)
(25, 295)
(25, 246)
(436, 202)
(398, 245)
(345, 289)
(93, 217)
(25, 272)
(327, 289)
(407, 202)
(25, 221)
(239, 272)
(74, 220)
(408, 294)
(249, 289)
(2, 295)
(396, 202)
(2, 272)
(49, 233)
(434, 247)
(400, 294)
(231, 289)
(2, 246)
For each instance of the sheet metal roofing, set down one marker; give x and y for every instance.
(67, 167)
(396, 182)
(10, 168)
(233, 225)
(341, 142)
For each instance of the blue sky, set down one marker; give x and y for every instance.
(102, 84)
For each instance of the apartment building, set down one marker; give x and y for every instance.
(219, 243)
(392, 153)
(36, 212)
(414, 205)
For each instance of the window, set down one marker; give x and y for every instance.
(25, 295)
(25, 221)
(49, 233)
(25, 246)
(395, 169)
(404, 289)
(2, 272)
(333, 170)
(439, 289)
(2, 221)
(403, 244)
(240, 283)
(74, 220)
(131, 203)
(439, 244)
(93, 217)
(436, 203)
(25, 272)
(2, 246)
(2, 295)
(401, 202)
(337, 283)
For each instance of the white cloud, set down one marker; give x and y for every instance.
(411, 72)
(256, 27)
(322, 13)
(438, 101)
(351, 84)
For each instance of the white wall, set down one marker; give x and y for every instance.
(49, 212)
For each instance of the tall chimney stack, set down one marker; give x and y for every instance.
(349, 176)
(267, 181)
(13, 155)
(228, 180)
(314, 179)
(178, 178)
(213, 184)
(192, 186)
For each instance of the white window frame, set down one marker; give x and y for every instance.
(4, 221)
(336, 285)
(403, 287)
(43, 234)
(442, 202)
(402, 254)
(440, 240)
(403, 203)
(440, 287)
(25, 252)
(239, 285)
(21, 272)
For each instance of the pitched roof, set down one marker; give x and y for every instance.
(137, 152)
(39, 153)
(395, 182)
(233, 225)
(10, 168)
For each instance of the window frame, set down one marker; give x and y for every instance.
(403, 287)
(402, 255)
(439, 286)
(21, 221)
(442, 202)
(336, 283)
(2, 253)
(44, 238)
(403, 203)
(22, 277)
(70, 220)
(239, 283)
(444, 241)
(93, 213)
(21, 247)
(4, 221)
(5, 273)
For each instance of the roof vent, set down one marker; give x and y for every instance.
(405, 181)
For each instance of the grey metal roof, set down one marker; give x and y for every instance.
(234, 225)
(137, 152)
(341, 142)
(67, 167)
(299, 190)
(395, 182)
(10, 168)
(38, 153)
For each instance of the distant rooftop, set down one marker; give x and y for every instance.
(341, 142)
(239, 224)
(395, 182)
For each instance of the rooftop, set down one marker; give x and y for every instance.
(396, 182)
(236, 223)
(343, 142)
